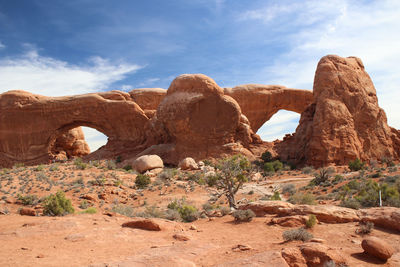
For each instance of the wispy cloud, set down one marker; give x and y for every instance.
(345, 28)
(94, 138)
(52, 77)
(2, 46)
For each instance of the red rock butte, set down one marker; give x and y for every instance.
(340, 121)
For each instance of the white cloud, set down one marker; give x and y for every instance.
(343, 27)
(52, 77)
(2, 46)
(148, 82)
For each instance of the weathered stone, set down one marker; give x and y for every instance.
(147, 162)
(377, 247)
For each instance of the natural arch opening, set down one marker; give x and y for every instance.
(76, 140)
(94, 138)
(281, 123)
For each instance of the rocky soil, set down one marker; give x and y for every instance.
(117, 235)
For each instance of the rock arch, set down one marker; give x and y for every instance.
(29, 123)
(260, 102)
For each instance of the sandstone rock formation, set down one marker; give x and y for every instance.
(386, 217)
(71, 144)
(260, 102)
(147, 162)
(188, 164)
(344, 121)
(30, 124)
(341, 120)
(377, 247)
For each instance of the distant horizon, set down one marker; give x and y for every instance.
(57, 48)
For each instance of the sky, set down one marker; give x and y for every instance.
(55, 48)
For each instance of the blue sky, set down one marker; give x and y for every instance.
(55, 48)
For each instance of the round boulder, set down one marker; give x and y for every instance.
(188, 164)
(377, 247)
(147, 162)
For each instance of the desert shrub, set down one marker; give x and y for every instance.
(84, 204)
(307, 170)
(79, 164)
(356, 165)
(312, 221)
(233, 172)
(122, 209)
(57, 205)
(111, 165)
(151, 212)
(277, 165)
(188, 213)
(208, 206)
(289, 189)
(276, 196)
(90, 210)
(302, 198)
(266, 156)
(322, 175)
(268, 167)
(243, 215)
(225, 210)
(39, 168)
(127, 167)
(211, 180)
(142, 181)
(297, 234)
(365, 228)
(118, 159)
(100, 181)
(28, 199)
(351, 203)
(354, 185)
(176, 204)
(172, 215)
(338, 178)
(168, 174)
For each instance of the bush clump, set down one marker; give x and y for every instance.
(365, 228)
(289, 189)
(302, 198)
(266, 156)
(276, 196)
(273, 166)
(356, 165)
(312, 221)
(80, 165)
(57, 205)
(142, 181)
(90, 210)
(188, 213)
(297, 234)
(243, 215)
(28, 200)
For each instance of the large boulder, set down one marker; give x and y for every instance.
(147, 162)
(71, 143)
(188, 164)
(377, 247)
(344, 122)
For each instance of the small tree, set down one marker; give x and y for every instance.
(231, 176)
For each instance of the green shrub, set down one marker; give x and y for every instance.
(79, 164)
(28, 199)
(268, 167)
(90, 210)
(266, 156)
(276, 196)
(111, 165)
(297, 234)
(212, 180)
(356, 165)
(243, 215)
(57, 205)
(302, 198)
(225, 210)
(172, 215)
(188, 213)
(312, 221)
(127, 167)
(142, 181)
(351, 203)
(277, 165)
(39, 168)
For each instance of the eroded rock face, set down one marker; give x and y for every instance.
(344, 122)
(71, 144)
(30, 124)
(260, 102)
(377, 247)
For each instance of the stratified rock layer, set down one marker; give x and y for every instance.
(344, 122)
